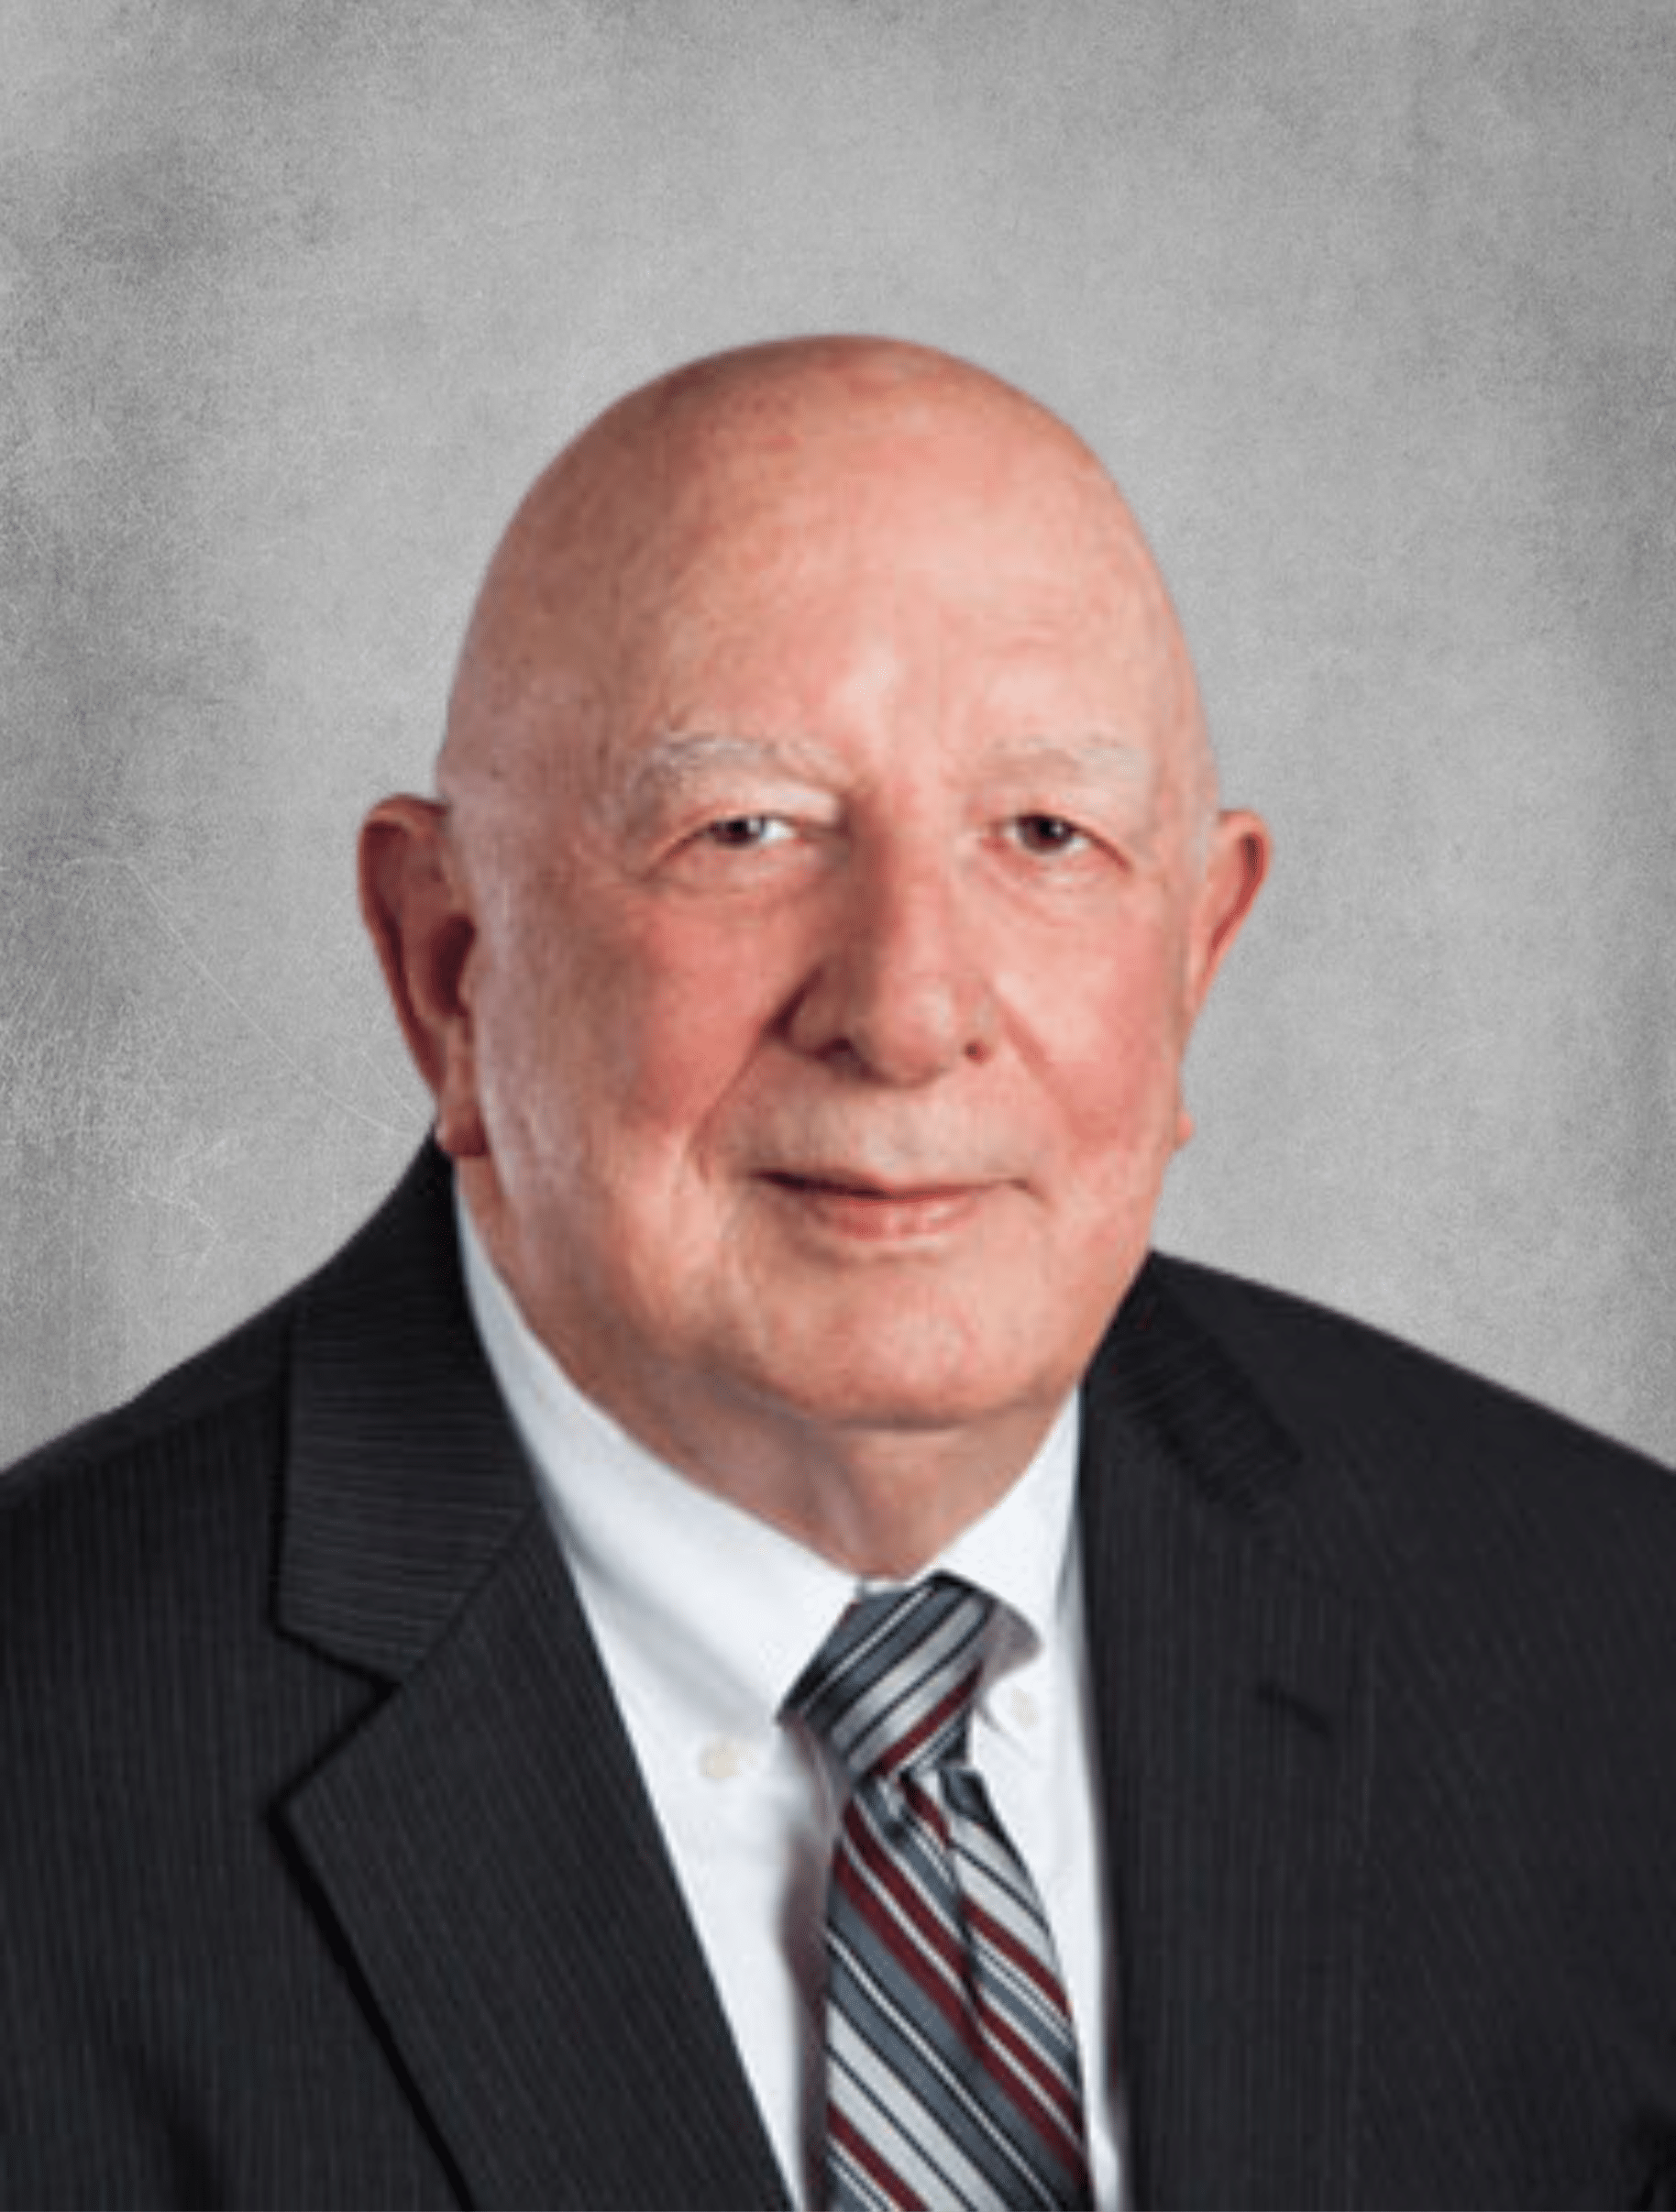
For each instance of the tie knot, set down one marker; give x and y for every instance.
(890, 1691)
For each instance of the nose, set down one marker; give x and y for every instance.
(901, 991)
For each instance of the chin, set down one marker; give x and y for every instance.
(928, 1373)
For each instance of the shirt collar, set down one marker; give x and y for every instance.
(705, 1604)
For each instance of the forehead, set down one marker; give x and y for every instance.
(857, 568)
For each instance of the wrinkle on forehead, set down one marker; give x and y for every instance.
(692, 468)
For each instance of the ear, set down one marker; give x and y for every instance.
(417, 906)
(1235, 866)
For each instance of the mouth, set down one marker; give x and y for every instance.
(860, 1207)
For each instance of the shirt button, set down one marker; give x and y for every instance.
(1023, 1708)
(723, 1759)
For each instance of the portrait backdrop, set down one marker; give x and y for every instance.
(1368, 307)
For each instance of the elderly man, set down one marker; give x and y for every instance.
(743, 1643)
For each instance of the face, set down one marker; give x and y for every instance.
(829, 999)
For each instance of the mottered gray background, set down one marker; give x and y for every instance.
(1369, 306)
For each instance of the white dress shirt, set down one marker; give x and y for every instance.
(705, 1615)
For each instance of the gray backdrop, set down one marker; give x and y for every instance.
(1369, 305)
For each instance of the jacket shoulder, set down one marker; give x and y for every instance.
(1324, 1372)
(233, 1391)
(217, 1385)
(153, 1521)
(1431, 1487)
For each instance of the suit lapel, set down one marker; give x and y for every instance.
(1233, 1703)
(482, 1844)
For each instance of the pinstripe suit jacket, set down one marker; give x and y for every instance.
(326, 1875)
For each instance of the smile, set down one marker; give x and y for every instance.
(871, 1212)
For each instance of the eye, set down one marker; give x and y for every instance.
(747, 832)
(1044, 836)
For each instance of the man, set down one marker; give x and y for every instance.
(434, 1721)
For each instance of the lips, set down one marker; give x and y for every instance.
(849, 1186)
(857, 1207)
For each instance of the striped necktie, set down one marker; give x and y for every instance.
(952, 2071)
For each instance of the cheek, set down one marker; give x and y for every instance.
(675, 1014)
(1116, 1040)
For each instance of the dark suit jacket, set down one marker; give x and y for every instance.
(327, 1877)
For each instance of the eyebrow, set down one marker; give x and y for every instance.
(1096, 755)
(677, 758)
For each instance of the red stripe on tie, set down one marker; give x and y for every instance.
(874, 1882)
(1002, 1939)
(1059, 2120)
(1054, 2106)
(1045, 2102)
(899, 1754)
(841, 2131)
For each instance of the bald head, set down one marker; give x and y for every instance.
(717, 462)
